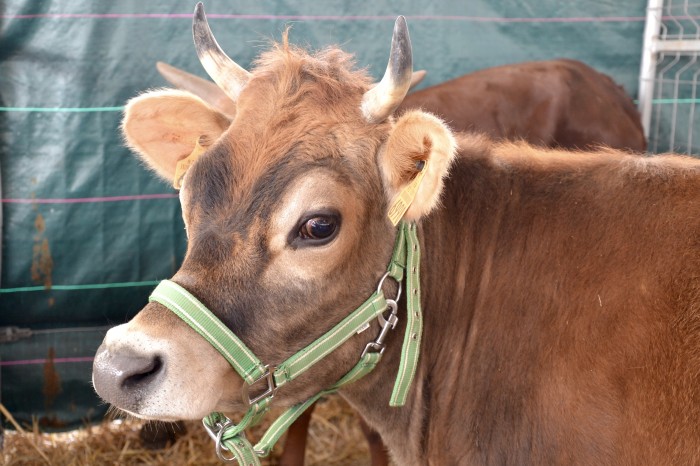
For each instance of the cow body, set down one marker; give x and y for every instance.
(559, 290)
(553, 103)
(561, 300)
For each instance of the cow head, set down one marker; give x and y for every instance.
(286, 217)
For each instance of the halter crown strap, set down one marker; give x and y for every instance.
(414, 319)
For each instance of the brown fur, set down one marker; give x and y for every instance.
(559, 289)
(571, 276)
(555, 103)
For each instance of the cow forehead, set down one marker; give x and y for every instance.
(297, 112)
(227, 183)
(293, 95)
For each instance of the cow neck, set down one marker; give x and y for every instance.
(229, 437)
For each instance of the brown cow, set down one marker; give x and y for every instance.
(559, 290)
(555, 103)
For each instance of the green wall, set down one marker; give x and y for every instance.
(87, 231)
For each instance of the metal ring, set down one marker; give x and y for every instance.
(381, 282)
(220, 446)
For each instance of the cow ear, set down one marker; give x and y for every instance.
(417, 157)
(164, 126)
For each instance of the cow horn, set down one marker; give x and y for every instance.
(381, 101)
(226, 73)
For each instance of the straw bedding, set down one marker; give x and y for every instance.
(335, 438)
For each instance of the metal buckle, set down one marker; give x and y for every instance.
(270, 391)
(216, 433)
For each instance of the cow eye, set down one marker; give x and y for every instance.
(318, 228)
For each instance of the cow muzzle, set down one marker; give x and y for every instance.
(123, 376)
(169, 377)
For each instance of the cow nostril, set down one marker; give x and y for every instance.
(143, 373)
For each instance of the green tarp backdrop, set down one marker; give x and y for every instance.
(87, 232)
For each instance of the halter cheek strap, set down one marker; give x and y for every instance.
(231, 443)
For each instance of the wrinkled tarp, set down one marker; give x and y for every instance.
(88, 231)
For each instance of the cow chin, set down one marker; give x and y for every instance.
(165, 372)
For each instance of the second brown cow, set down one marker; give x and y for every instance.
(555, 103)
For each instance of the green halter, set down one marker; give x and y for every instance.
(230, 437)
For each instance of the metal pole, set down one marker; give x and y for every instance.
(1, 229)
(649, 55)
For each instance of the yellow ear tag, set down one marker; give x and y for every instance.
(184, 164)
(402, 201)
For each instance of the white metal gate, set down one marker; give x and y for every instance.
(670, 71)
